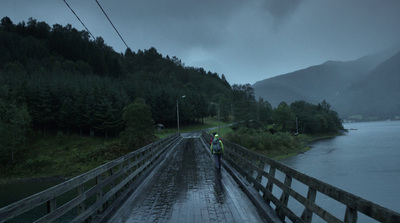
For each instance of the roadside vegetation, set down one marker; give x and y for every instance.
(57, 155)
(64, 156)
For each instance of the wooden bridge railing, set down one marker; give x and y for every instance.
(94, 195)
(263, 172)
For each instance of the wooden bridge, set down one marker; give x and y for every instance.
(173, 180)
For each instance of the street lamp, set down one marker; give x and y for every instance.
(177, 112)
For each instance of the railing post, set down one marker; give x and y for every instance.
(81, 206)
(99, 194)
(261, 165)
(249, 167)
(51, 205)
(351, 215)
(270, 185)
(284, 198)
(307, 214)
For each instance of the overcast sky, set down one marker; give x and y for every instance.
(246, 40)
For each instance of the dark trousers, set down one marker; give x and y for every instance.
(217, 158)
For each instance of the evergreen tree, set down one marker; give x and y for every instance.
(14, 124)
(284, 117)
(41, 107)
(163, 108)
(67, 115)
(139, 124)
(264, 111)
(244, 103)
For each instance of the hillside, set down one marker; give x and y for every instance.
(378, 94)
(64, 81)
(345, 85)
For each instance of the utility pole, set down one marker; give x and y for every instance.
(219, 123)
(177, 113)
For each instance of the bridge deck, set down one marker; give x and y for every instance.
(186, 188)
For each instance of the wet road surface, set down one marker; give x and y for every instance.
(186, 188)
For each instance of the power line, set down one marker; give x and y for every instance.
(79, 19)
(112, 24)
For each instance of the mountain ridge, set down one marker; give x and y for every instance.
(343, 84)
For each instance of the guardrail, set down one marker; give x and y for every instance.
(93, 196)
(261, 172)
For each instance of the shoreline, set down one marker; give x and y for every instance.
(304, 149)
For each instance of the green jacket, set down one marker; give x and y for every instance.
(220, 142)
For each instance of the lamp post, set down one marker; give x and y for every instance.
(177, 113)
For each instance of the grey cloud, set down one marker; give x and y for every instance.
(247, 40)
(281, 10)
(185, 23)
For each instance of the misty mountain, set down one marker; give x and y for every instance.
(368, 86)
(377, 95)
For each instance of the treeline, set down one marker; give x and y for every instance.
(58, 79)
(299, 117)
(286, 128)
(36, 48)
(70, 82)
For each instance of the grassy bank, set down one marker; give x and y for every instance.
(289, 152)
(282, 146)
(66, 156)
(60, 156)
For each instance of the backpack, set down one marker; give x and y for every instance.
(216, 146)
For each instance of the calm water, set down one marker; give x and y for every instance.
(365, 162)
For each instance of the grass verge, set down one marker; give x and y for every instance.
(62, 156)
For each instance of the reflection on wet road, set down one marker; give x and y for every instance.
(187, 189)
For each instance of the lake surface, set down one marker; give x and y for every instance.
(365, 162)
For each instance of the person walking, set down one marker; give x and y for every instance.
(214, 133)
(217, 149)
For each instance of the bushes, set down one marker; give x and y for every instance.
(265, 142)
(61, 155)
(139, 124)
(41, 161)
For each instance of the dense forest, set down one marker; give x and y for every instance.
(56, 79)
(68, 81)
